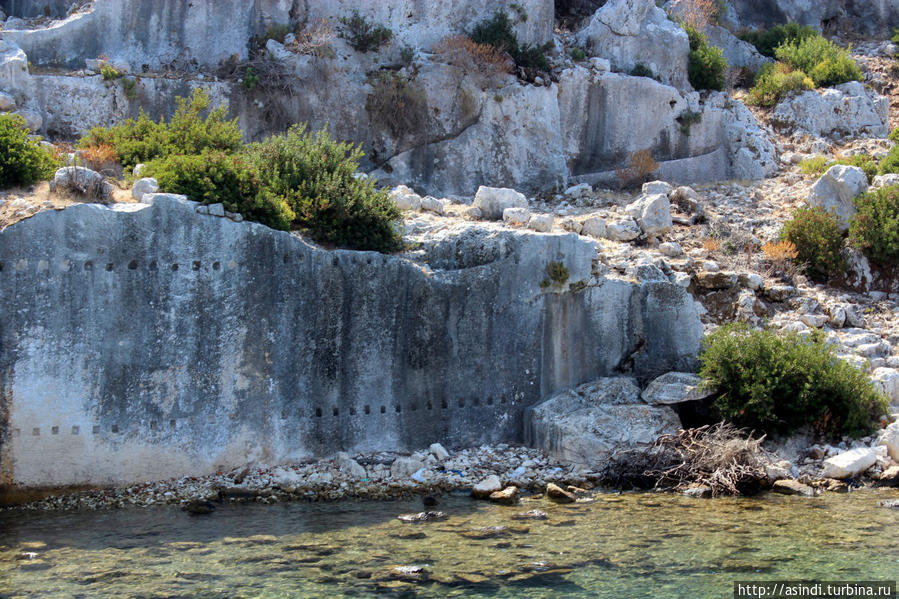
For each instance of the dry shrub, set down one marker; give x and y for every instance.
(315, 40)
(482, 59)
(780, 253)
(101, 158)
(397, 105)
(719, 457)
(711, 244)
(697, 13)
(640, 167)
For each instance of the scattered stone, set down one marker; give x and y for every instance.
(890, 503)
(780, 293)
(542, 223)
(576, 192)
(530, 515)
(494, 200)
(698, 491)
(349, 466)
(7, 102)
(594, 227)
(437, 206)
(671, 249)
(887, 180)
(889, 438)
(853, 462)
(487, 487)
(199, 507)
(516, 217)
(405, 467)
(652, 213)
(421, 517)
(405, 198)
(717, 280)
(890, 476)
(558, 494)
(508, 496)
(623, 230)
(82, 181)
(792, 487)
(438, 451)
(144, 186)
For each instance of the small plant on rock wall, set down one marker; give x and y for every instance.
(557, 274)
(641, 70)
(397, 104)
(109, 72)
(362, 35)
(706, 66)
(315, 40)
(640, 167)
(483, 60)
(499, 33)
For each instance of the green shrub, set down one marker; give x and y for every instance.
(775, 82)
(816, 234)
(816, 165)
(276, 32)
(498, 32)
(706, 66)
(109, 73)
(216, 177)
(895, 38)
(362, 35)
(777, 383)
(826, 63)
(641, 70)
(875, 228)
(22, 159)
(142, 139)
(767, 41)
(577, 54)
(890, 162)
(894, 135)
(316, 176)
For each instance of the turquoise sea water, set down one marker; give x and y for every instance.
(618, 546)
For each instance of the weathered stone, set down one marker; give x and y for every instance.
(652, 212)
(438, 451)
(717, 280)
(530, 515)
(542, 223)
(673, 388)
(890, 476)
(33, 119)
(671, 249)
(588, 423)
(780, 293)
(836, 190)
(887, 180)
(792, 487)
(656, 187)
(405, 198)
(556, 493)
(853, 462)
(516, 217)
(576, 192)
(144, 186)
(435, 205)
(847, 110)
(507, 496)
(7, 102)
(698, 491)
(493, 201)
(82, 181)
(737, 53)
(887, 380)
(421, 517)
(889, 438)
(487, 487)
(623, 230)
(594, 227)
(404, 467)
(349, 466)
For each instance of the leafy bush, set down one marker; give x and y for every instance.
(774, 82)
(109, 72)
(362, 35)
(316, 176)
(778, 383)
(894, 135)
(498, 32)
(875, 228)
(818, 165)
(396, 104)
(22, 159)
(826, 63)
(706, 66)
(142, 139)
(577, 54)
(641, 70)
(472, 57)
(890, 162)
(767, 41)
(816, 234)
(216, 177)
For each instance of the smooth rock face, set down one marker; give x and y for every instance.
(261, 348)
(852, 462)
(845, 111)
(674, 387)
(836, 190)
(631, 32)
(587, 424)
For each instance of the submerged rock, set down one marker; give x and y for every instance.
(421, 517)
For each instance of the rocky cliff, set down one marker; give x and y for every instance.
(149, 341)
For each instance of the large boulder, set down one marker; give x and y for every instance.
(587, 424)
(632, 32)
(673, 388)
(492, 201)
(845, 111)
(82, 181)
(836, 190)
(652, 212)
(889, 438)
(737, 53)
(853, 462)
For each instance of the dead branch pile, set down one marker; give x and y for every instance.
(719, 457)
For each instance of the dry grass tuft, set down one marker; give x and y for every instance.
(484, 60)
(640, 168)
(315, 39)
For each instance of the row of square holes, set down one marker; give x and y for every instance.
(76, 430)
(196, 264)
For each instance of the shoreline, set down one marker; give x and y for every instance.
(388, 476)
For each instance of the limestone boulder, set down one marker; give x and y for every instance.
(853, 462)
(889, 438)
(594, 227)
(887, 380)
(737, 53)
(750, 148)
(623, 230)
(492, 201)
(144, 186)
(405, 198)
(887, 180)
(588, 423)
(82, 181)
(845, 111)
(836, 190)
(632, 32)
(516, 217)
(485, 488)
(652, 213)
(404, 467)
(7, 102)
(349, 466)
(542, 223)
(673, 388)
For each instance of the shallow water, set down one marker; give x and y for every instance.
(631, 545)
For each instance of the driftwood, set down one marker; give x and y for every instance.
(720, 457)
